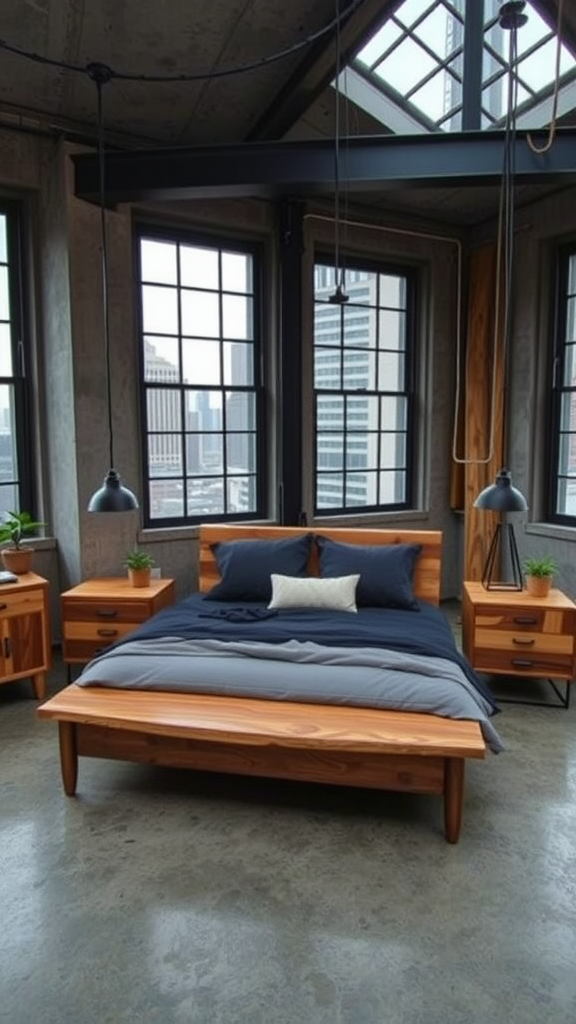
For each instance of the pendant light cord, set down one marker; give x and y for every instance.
(554, 116)
(337, 268)
(101, 74)
(339, 297)
(511, 19)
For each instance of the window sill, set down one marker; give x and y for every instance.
(552, 530)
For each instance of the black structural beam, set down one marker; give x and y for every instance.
(275, 169)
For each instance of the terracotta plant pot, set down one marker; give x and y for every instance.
(538, 586)
(139, 577)
(18, 560)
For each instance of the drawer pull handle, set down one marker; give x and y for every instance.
(6, 647)
(525, 620)
(107, 632)
(2, 607)
(521, 642)
(106, 613)
(522, 662)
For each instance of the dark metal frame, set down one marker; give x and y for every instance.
(409, 275)
(19, 333)
(562, 702)
(272, 170)
(144, 229)
(557, 388)
(492, 559)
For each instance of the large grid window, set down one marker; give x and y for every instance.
(200, 343)
(16, 486)
(563, 462)
(362, 388)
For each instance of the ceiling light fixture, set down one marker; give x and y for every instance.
(112, 496)
(501, 497)
(339, 297)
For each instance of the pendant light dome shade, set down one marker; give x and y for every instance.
(501, 496)
(112, 496)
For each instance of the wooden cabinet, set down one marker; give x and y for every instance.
(512, 633)
(24, 631)
(99, 612)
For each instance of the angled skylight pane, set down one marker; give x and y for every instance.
(441, 31)
(495, 99)
(436, 97)
(406, 66)
(410, 10)
(539, 68)
(379, 43)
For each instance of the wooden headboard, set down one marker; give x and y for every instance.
(426, 571)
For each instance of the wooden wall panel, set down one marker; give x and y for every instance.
(479, 407)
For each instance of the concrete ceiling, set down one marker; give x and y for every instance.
(285, 98)
(142, 37)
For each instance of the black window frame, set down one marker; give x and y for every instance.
(561, 297)
(143, 229)
(410, 274)
(18, 289)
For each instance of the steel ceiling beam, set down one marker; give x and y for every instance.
(275, 169)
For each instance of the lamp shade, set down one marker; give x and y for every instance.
(112, 496)
(501, 496)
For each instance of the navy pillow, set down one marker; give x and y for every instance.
(385, 571)
(245, 566)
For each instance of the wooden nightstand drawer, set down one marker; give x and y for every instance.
(89, 612)
(97, 631)
(21, 603)
(527, 663)
(532, 620)
(530, 643)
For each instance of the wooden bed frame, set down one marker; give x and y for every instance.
(348, 746)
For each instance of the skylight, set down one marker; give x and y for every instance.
(417, 59)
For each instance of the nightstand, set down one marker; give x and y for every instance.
(24, 631)
(511, 633)
(100, 611)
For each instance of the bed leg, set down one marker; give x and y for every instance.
(68, 756)
(453, 797)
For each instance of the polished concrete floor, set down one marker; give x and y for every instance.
(164, 897)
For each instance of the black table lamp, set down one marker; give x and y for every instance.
(502, 497)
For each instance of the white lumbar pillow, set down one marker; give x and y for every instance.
(336, 594)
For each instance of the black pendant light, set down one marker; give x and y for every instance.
(339, 296)
(112, 496)
(501, 496)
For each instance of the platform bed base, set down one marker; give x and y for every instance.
(344, 746)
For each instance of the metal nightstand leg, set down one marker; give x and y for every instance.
(562, 702)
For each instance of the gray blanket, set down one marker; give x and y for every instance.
(298, 671)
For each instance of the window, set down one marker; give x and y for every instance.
(200, 327)
(416, 61)
(563, 460)
(362, 388)
(16, 490)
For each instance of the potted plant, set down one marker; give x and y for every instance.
(12, 528)
(539, 573)
(139, 564)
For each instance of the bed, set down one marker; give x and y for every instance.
(330, 675)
